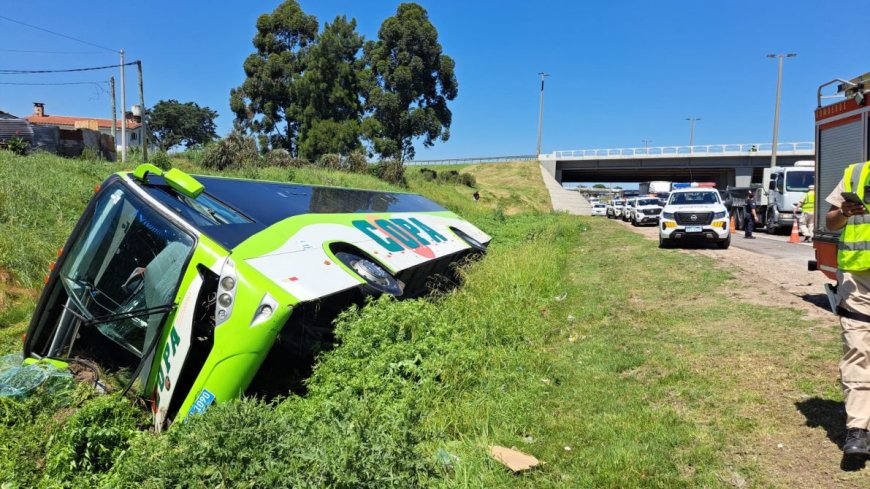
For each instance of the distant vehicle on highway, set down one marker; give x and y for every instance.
(646, 210)
(780, 189)
(614, 208)
(626, 209)
(694, 214)
(599, 209)
(658, 188)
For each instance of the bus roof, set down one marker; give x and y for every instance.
(260, 204)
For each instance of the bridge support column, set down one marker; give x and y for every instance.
(742, 176)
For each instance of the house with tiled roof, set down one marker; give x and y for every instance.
(134, 125)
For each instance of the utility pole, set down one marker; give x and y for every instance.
(780, 57)
(646, 144)
(143, 132)
(123, 112)
(692, 120)
(541, 111)
(114, 112)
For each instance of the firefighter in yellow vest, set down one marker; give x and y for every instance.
(807, 205)
(849, 213)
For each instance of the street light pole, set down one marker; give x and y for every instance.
(692, 120)
(541, 111)
(123, 112)
(780, 57)
(646, 144)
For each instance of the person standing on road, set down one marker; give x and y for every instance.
(751, 215)
(808, 209)
(853, 297)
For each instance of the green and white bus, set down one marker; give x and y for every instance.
(205, 288)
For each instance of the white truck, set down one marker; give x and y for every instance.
(645, 210)
(614, 208)
(658, 188)
(780, 189)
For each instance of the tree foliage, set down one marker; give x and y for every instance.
(173, 123)
(408, 83)
(267, 102)
(329, 92)
(321, 93)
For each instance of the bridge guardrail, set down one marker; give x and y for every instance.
(752, 149)
(467, 161)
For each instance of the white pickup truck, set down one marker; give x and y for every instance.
(645, 210)
(614, 208)
(694, 214)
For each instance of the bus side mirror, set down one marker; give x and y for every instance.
(183, 183)
(141, 172)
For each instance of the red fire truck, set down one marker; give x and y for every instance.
(841, 139)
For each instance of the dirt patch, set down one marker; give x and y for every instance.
(797, 442)
(10, 292)
(764, 280)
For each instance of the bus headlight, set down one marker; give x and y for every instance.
(226, 293)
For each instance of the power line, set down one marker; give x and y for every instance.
(68, 70)
(39, 51)
(58, 34)
(58, 83)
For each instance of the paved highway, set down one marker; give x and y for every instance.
(775, 246)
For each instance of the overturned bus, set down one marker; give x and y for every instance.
(203, 288)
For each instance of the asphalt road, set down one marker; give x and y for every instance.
(775, 246)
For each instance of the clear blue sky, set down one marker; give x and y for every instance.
(622, 71)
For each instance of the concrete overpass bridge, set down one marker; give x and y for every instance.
(725, 164)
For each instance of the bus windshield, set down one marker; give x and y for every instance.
(123, 271)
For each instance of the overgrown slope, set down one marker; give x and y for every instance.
(619, 367)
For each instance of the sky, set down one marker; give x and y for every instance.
(621, 71)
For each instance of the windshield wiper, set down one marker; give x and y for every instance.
(77, 301)
(147, 311)
(90, 289)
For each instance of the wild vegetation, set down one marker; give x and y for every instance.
(578, 357)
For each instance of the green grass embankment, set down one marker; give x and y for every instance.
(575, 340)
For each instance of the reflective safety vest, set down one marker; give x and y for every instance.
(853, 250)
(809, 202)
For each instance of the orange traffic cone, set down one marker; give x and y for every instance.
(733, 225)
(795, 235)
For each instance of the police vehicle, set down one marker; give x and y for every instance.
(646, 210)
(694, 213)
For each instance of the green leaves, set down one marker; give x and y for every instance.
(267, 103)
(410, 81)
(172, 123)
(314, 94)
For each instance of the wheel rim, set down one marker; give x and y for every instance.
(375, 276)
